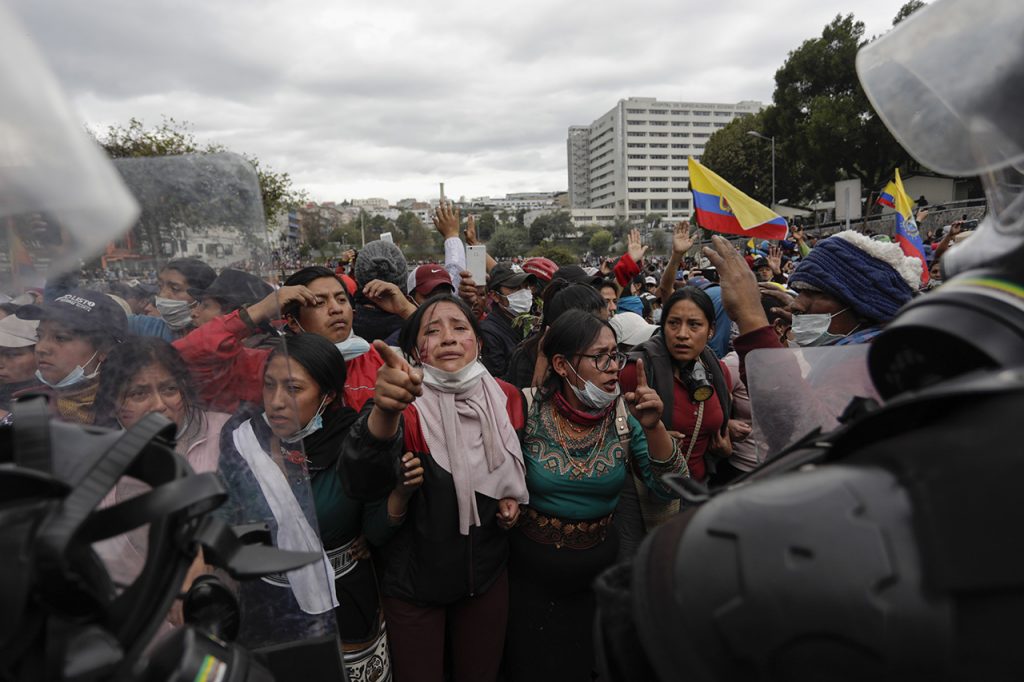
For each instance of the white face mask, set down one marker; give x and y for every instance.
(314, 425)
(458, 381)
(75, 376)
(592, 395)
(812, 330)
(352, 347)
(520, 302)
(177, 314)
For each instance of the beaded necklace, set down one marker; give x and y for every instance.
(587, 436)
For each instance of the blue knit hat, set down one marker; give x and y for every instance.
(873, 278)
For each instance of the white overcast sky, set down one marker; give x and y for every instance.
(359, 99)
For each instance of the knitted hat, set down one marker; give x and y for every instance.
(873, 278)
(381, 260)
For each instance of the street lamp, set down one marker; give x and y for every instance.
(772, 140)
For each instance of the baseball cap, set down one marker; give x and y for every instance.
(426, 278)
(18, 333)
(507, 275)
(650, 280)
(81, 309)
(575, 274)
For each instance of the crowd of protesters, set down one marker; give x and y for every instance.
(478, 451)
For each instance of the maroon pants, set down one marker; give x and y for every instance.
(477, 628)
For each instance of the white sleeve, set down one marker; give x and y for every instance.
(454, 259)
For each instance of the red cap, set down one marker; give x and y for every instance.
(541, 268)
(424, 279)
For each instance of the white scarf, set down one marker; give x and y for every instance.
(313, 584)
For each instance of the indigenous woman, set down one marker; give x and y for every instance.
(298, 434)
(581, 436)
(145, 374)
(443, 574)
(693, 384)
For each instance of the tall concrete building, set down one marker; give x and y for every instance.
(632, 160)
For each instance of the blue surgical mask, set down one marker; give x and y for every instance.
(314, 425)
(75, 376)
(592, 395)
(352, 347)
(812, 330)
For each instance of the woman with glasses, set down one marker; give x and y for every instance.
(581, 436)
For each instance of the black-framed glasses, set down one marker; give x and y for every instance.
(603, 361)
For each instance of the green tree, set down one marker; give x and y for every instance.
(508, 242)
(551, 226)
(172, 137)
(658, 241)
(486, 225)
(601, 241)
(407, 222)
(740, 158)
(562, 255)
(824, 127)
(907, 9)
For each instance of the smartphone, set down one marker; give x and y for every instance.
(386, 237)
(476, 263)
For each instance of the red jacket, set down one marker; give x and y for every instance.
(227, 373)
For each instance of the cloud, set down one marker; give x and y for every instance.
(386, 99)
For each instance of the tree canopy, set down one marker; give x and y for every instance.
(824, 127)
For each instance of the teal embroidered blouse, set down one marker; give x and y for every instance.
(584, 483)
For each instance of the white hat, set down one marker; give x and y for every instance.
(650, 280)
(631, 329)
(18, 333)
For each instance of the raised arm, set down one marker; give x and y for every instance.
(682, 242)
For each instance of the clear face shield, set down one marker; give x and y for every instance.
(949, 84)
(71, 221)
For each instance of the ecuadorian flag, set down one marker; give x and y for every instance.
(906, 234)
(720, 207)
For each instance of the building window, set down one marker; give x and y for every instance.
(659, 156)
(637, 145)
(681, 204)
(636, 156)
(659, 204)
(636, 111)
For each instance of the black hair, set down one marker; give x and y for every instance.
(125, 361)
(571, 334)
(609, 283)
(304, 277)
(9, 308)
(689, 293)
(561, 296)
(198, 275)
(411, 329)
(320, 358)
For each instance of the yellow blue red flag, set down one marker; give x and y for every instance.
(720, 207)
(906, 234)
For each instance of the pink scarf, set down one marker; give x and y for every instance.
(470, 436)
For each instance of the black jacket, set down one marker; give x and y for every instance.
(500, 340)
(428, 562)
